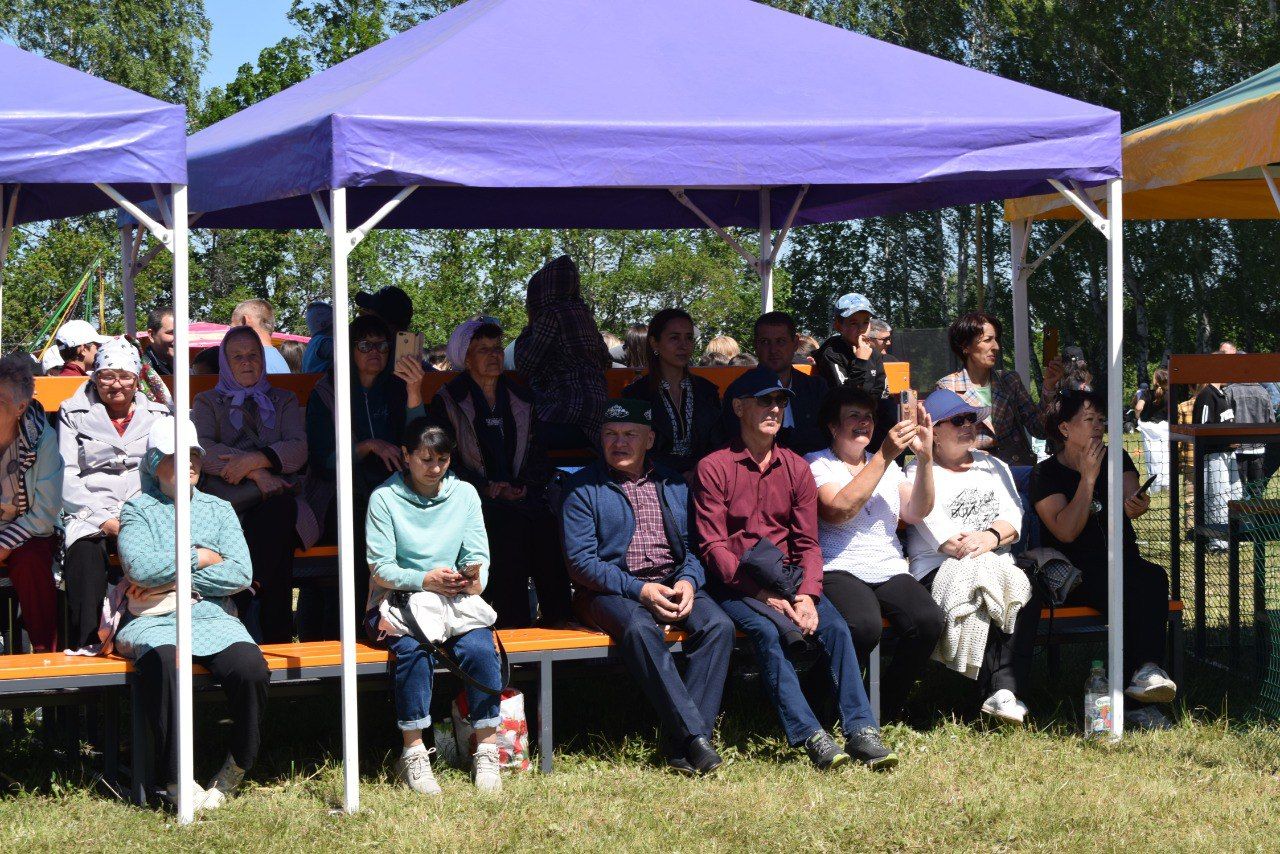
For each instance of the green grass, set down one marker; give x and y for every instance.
(1198, 787)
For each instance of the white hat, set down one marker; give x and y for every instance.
(161, 436)
(73, 333)
(117, 354)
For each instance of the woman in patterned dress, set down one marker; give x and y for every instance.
(220, 568)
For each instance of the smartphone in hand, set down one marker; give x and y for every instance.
(470, 572)
(907, 405)
(408, 344)
(1142, 490)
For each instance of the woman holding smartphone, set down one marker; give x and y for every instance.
(1069, 491)
(425, 531)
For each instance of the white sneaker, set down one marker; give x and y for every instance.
(1004, 706)
(1151, 685)
(486, 770)
(415, 770)
(199, 797)
(1148, 717)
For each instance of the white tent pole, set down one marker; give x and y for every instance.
(7, 215)
(182, 502)
(127, 261)
(1271, 184)
(340, 246)
(1115, 458)
(683, 199)
(1019, 233)
(764, 266)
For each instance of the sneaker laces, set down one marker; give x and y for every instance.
(486, 761)
(418, 764)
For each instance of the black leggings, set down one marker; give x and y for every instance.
(1146, 609)
(916, 619)
(241, 671)
(270, 532)
(522, 547)
(85, 572)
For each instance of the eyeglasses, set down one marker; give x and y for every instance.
(374, 346)
(114, 379)
(962, 420)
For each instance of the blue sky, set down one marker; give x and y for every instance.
(241, 28)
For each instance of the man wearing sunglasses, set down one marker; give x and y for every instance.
(757, 519)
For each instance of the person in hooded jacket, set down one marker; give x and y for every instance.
(499, 452)
(384, 397)
(30, 498)
(563, 357)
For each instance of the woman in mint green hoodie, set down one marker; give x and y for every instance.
(425, 531)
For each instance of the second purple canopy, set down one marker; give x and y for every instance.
(577, 113)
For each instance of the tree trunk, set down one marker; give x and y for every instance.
(962, 257)
(1141, 328)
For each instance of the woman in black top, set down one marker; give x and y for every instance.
(1069, 491)
(686, 409)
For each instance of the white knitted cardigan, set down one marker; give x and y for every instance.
(974, 593)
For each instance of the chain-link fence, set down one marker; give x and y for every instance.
(1222, 551)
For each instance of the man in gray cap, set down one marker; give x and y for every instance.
(849, 357)
(626, 536)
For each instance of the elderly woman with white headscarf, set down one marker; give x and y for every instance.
(102, 435)
(500, 453)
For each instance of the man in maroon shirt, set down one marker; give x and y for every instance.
(757, 519)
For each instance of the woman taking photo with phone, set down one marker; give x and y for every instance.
(425, 532)
(1069, 491)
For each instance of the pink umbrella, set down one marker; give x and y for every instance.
(205, 335)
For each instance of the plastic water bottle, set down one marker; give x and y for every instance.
(1097, 704)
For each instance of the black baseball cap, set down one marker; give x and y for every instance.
(391, 304)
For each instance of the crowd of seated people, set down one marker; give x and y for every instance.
(782, 512)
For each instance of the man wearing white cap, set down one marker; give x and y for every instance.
(77, 342)
(849, 357)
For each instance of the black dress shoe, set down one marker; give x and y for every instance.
(680, 765)
(701, 756)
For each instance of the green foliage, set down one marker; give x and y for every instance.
(1188, 283)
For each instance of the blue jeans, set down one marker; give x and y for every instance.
(779, 674)
(414, 669)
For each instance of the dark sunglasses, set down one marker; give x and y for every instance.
(373, 346)
(962, 420)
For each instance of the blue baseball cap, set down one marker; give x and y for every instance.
(850, 304)
(758, 382)
(944, 404)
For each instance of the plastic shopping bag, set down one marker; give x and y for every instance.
(513, 731)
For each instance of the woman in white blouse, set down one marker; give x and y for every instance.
(975, 511)
(861, 498)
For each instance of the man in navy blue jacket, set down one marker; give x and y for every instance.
(626, 535)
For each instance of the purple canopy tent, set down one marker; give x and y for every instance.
(627, 114)
(73, 144)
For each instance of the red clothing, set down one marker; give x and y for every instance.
(737, 504)
(69, 369)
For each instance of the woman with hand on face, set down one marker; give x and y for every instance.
(426, 532)
(219, 642)
(102, 434)
(686, 409)
(384, 397)
(861, 499)
(1070, 494)
(976, 512)
(255, 444)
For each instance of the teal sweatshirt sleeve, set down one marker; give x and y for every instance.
(380, 542)
(235, 572)
(475, 540)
